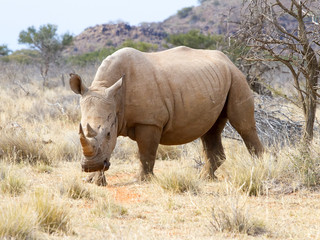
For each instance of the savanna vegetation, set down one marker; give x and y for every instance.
(43, 194)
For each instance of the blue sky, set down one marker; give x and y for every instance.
(74, 16)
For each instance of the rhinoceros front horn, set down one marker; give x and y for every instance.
(87, 149)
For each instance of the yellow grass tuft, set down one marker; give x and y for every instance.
(76, 189)
(17, 221)
(11, 183)
(106, 206)
(52, 216)
(180, 180)
(18, 146)
(251, 174)
(230, 214)
(305, 163)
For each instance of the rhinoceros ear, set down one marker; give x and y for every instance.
(76, 84)
(114, 89)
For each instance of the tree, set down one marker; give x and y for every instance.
(48, 43)
(4, 50)
(288, 32)
(195, 39)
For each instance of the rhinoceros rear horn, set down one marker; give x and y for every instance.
(87, 149)
(112, 90)
(91, 132)
(76, 84)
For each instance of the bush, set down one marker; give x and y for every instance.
(24, 56)
(99, 55)
(141, 46)
(183, 13)
(4, 50)
(92, 57)
(195, 39)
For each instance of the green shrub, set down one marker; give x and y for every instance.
(141, 46)
(24, 56)
(99, 55)
(195, 39)
(216, 3)
(91, 57)
(4, 50)
(183, 13)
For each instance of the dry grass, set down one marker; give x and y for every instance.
(42, 195)
(168, 152)
(180, 180)
(230, 214)
(306, 164)
(75, 189)
(251, 174)
(106, 206)
(18, 147)
(18, 221)
(52, 215)
(10, 182)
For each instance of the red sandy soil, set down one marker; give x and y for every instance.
(122, 189)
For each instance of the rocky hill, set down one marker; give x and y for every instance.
(212, 16)
(113, 35)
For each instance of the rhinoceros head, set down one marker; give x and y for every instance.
(99, 123)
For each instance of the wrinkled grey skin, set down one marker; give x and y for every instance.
(170, 97)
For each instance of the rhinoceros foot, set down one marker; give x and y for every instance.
(97, 178)
(144, 177)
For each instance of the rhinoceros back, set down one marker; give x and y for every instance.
(181, 90)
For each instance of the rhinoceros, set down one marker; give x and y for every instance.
(170, 97)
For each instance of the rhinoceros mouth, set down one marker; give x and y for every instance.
(97, 166)
(106, 165)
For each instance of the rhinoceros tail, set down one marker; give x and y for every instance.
(240, 111)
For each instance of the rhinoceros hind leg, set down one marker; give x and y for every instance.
(240, 112)
(98, 178)
(213, 148)
(148, 138)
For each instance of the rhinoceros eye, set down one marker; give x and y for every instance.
(108, 135)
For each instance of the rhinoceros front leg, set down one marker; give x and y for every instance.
(148, 138)
(98, 178)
